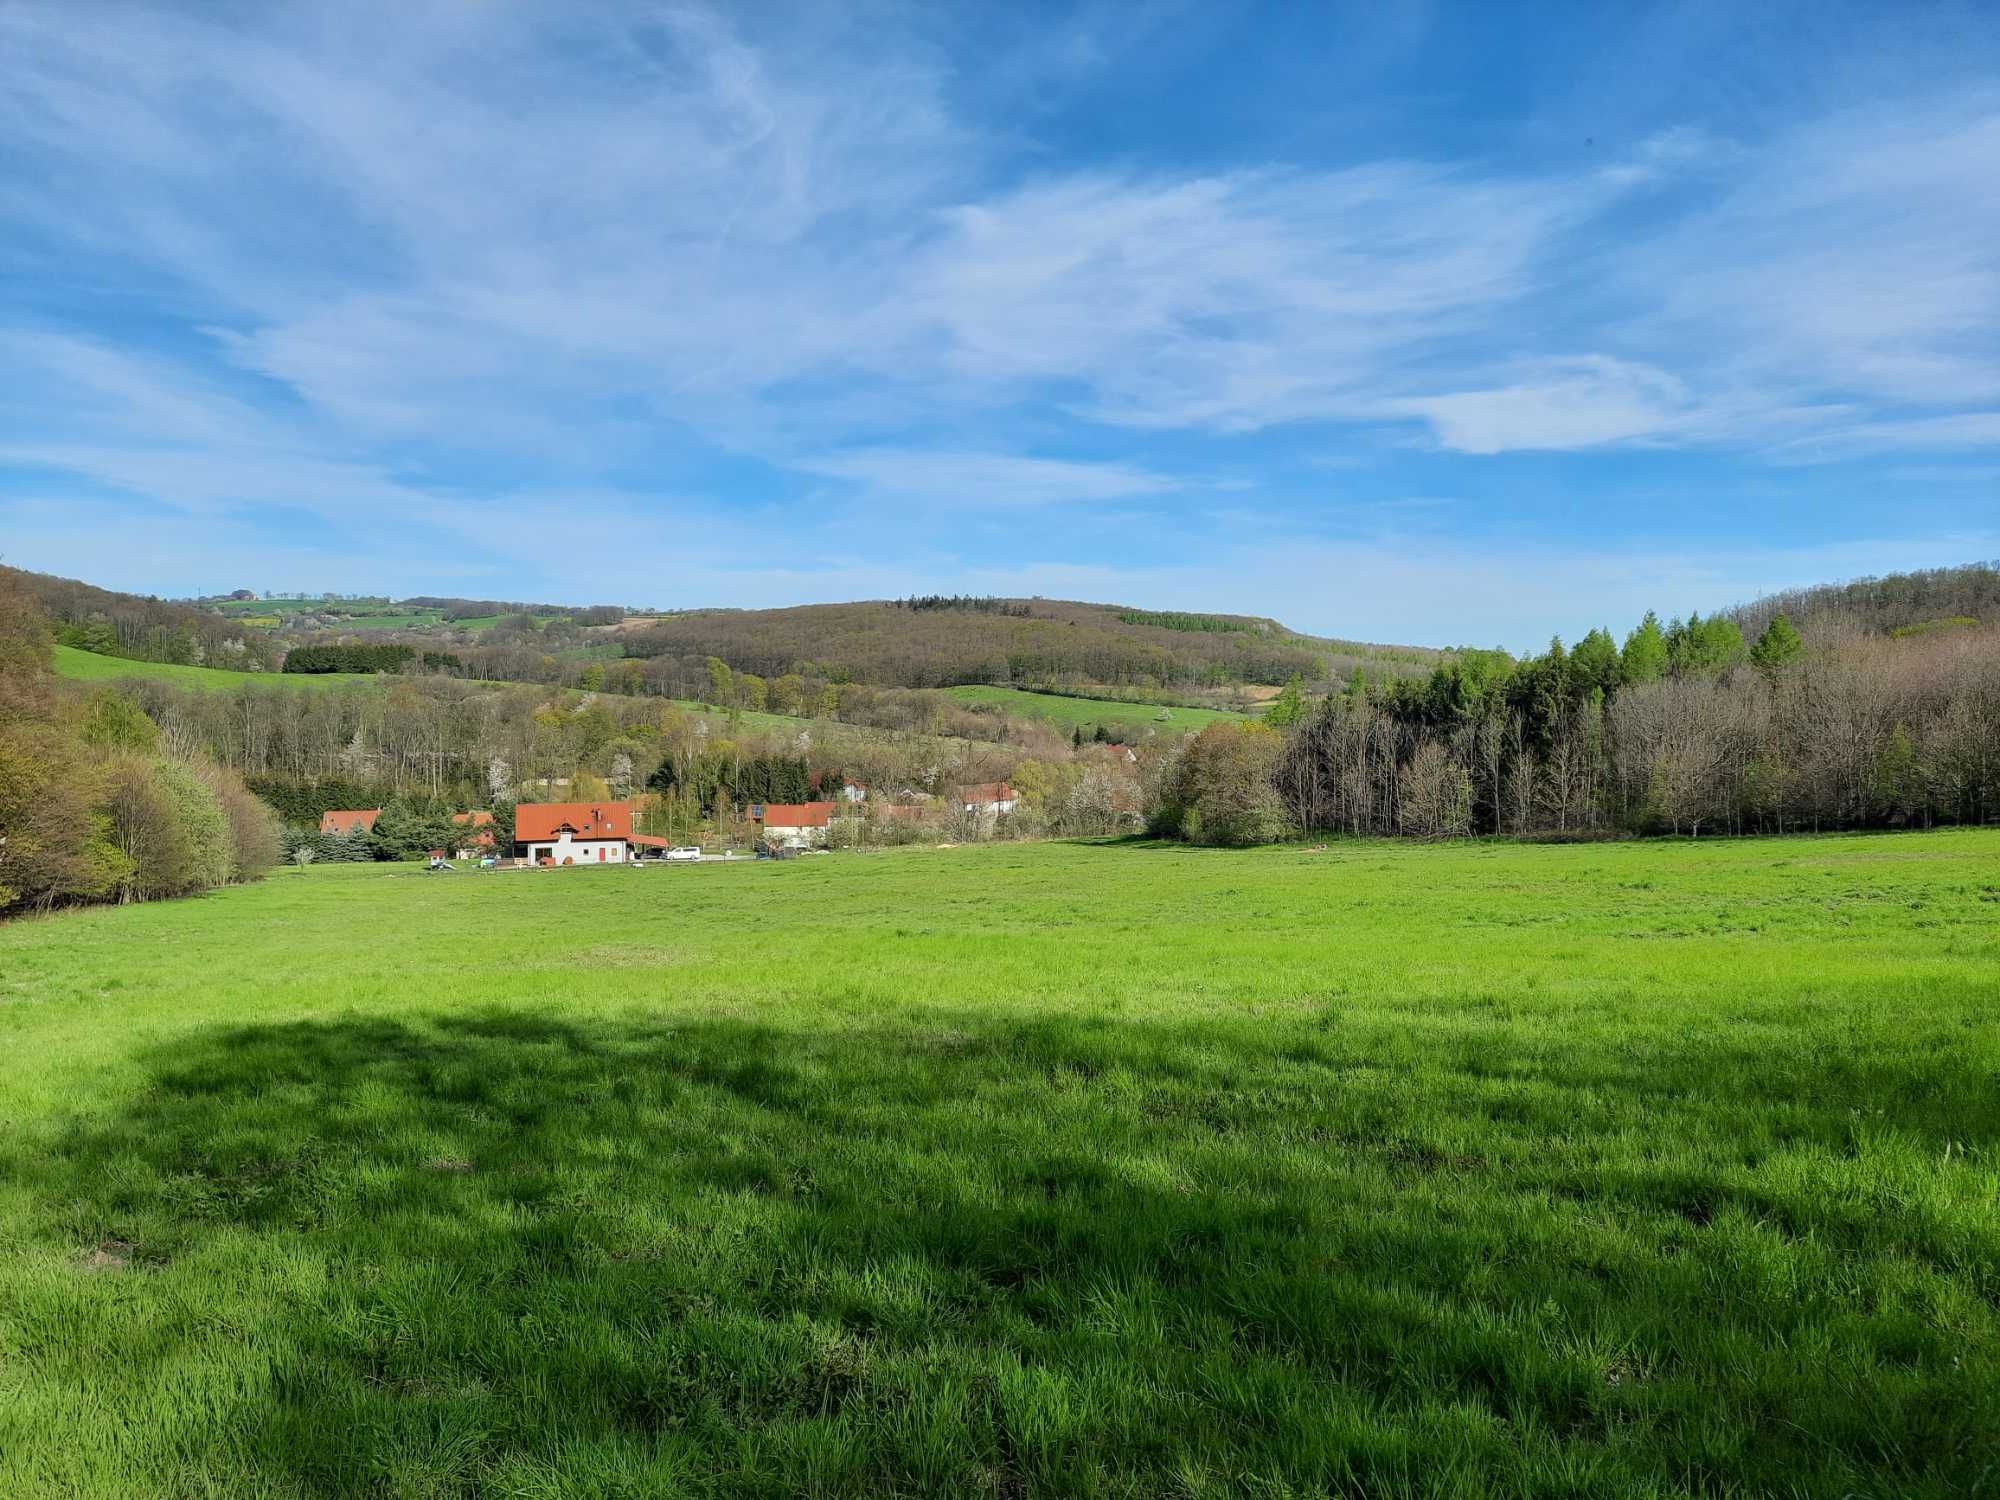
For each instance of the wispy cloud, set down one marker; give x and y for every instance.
(987, 480)
(470, 267)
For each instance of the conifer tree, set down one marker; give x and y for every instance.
(1644, 658)
(1778, 647)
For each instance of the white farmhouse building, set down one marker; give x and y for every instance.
(579, 833)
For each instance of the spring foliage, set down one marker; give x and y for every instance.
(93, 806)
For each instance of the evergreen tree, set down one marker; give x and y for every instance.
(1778, 647)
(1644, 658)
(1704, 648)
(1289, 706)
(1595, 664)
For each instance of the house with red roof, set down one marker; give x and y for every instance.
(580, 833)
(346, 820)
(476, 835)
(798, 824)
(986, 801)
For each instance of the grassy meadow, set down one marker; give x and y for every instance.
(1637, 1169)
(89, 666)
(1070, 713)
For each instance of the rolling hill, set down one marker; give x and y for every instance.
(940, 642)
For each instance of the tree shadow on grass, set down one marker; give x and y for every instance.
(506, 1254)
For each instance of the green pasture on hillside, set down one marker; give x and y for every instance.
(1642, 1169)
(91, 667)
(1072, 713)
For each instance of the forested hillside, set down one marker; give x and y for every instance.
(945, 642)
(1882, 709)
(143, 629)
(1901, 604)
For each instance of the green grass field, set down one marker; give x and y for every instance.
(1071, 713)
(1639, 1169)
(88, 666)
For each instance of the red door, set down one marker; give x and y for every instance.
(600, 854)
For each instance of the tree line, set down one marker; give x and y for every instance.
(141, 629)
(357, 656)
(983, 604)
(1687, 728)
(96, 802)
(1174, 619)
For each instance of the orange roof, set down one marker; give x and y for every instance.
(797, 814)
(480, 819)
(349, 819)
(986, 791)
(541, 821)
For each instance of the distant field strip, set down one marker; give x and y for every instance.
(1072, 713)
(1112, 1170)
(91, 667)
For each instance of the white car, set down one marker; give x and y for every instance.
(685, 851)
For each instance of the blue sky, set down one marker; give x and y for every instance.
(1424, 323)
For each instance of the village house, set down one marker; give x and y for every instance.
(987, 802)
(580, 833)
(347, 820)
(797, 824)
(476, 837)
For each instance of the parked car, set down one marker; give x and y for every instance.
(684, 851)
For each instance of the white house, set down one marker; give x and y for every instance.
(579, 833)
(799, 824)
(988, 801)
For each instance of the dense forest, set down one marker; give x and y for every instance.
(938, 642)
(359, 656)
(96, 803)
(1867, 705)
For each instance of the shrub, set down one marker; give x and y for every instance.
(1219, 790)
(254, 838)
(144, 825)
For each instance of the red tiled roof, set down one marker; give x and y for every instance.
(349, 819)
(986, 791)
(651, 841)
(797, 814)
(479, 819)
(539, 822)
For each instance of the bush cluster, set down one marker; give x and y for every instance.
(93, 805)
(354, 656)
